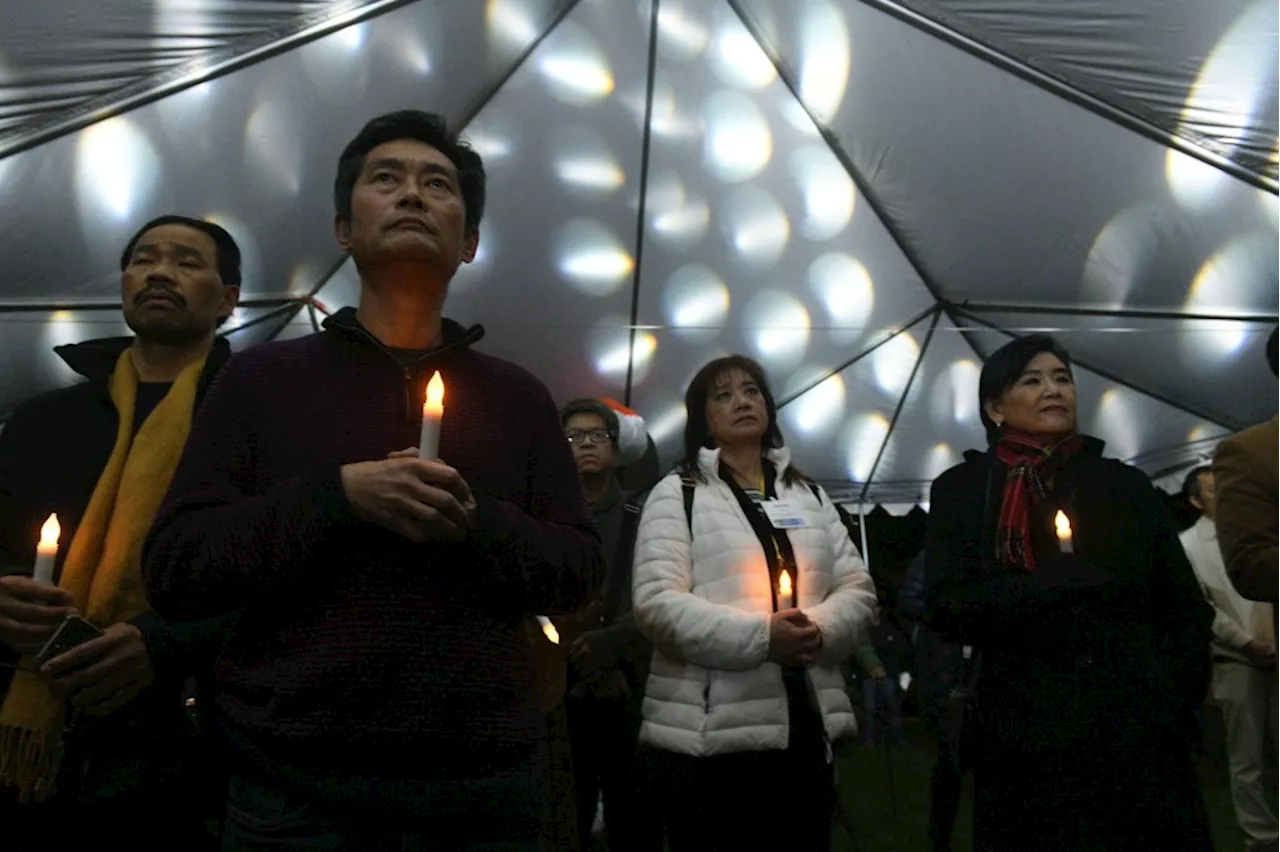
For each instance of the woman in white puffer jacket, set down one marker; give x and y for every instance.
(744, 695)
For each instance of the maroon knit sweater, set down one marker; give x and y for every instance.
(358, 653)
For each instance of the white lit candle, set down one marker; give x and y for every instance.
(432, 414)
(786, 591)
(1063, 527)
(549, 630)
(47, 550)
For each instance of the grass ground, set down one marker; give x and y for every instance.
(885, 817)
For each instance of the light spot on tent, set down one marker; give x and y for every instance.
(304, 278)
(1242, 272)
(183, 26)
(667, 120)
(1235, 83)
(612, 349)
(680, 38)
(1194, 183)
(1121, 255)
(584, 163)
(793, 111)
(939, 460)
(682, 227)
(676, 222)
(61, 328)
(574, 67)
(893, 363)
(824, 58)
(250, 255)
(844, 287)
(273, 149)
(819, 411)
(954, 396)
(696, 302)
(1117, 423)
(1237, 79)
(863, 439)
(337, 66)
(488, 144)
(828, 192)
(1203, 432)
(116, 171)
(351, 38)
(591, 257)
(738, 144)
(668, 425)
(509, 24)
(590, 173)
(738, 60)
(778, 327)
(413, 51)
(755, 225)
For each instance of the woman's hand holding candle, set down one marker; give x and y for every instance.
(793, 638)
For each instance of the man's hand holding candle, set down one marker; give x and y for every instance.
(421, 499)
(30, 612)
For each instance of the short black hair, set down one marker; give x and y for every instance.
(697, 432)
(425, 127)
(1005, 366)
(228, 253)
(1191, 483)
(1271, 351)
(599, 409)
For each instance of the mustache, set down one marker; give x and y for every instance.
(159, 289)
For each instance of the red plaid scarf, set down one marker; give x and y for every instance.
(1028, 462)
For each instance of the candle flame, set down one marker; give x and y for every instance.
(50, 532)
(1063, 525)
(784, 584)
(435, 394)
(549, 629)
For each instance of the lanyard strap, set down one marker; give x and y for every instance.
(778, 552)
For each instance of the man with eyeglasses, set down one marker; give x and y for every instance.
(608, 657)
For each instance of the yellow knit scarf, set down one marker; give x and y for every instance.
(103, 568)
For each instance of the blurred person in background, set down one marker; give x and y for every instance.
(1244, 671)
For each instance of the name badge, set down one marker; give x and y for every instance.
(784, 514)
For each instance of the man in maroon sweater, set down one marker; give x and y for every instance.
(377, 691)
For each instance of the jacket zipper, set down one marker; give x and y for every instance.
(408, 397)
(408, 375)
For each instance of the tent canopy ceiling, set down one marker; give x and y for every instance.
(865, 196)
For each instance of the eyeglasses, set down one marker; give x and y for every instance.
(580, 436)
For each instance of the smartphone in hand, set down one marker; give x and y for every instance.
(73, 632)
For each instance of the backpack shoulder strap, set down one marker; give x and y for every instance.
(687, 485)
(627, 535)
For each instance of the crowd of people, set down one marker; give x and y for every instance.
(247, 611)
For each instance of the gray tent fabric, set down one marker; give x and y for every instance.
(869, 197)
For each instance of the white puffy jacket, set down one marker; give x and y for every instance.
(706, 607)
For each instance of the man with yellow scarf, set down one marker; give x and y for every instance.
(95, 749)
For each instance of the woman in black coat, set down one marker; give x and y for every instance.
(1094, 650)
